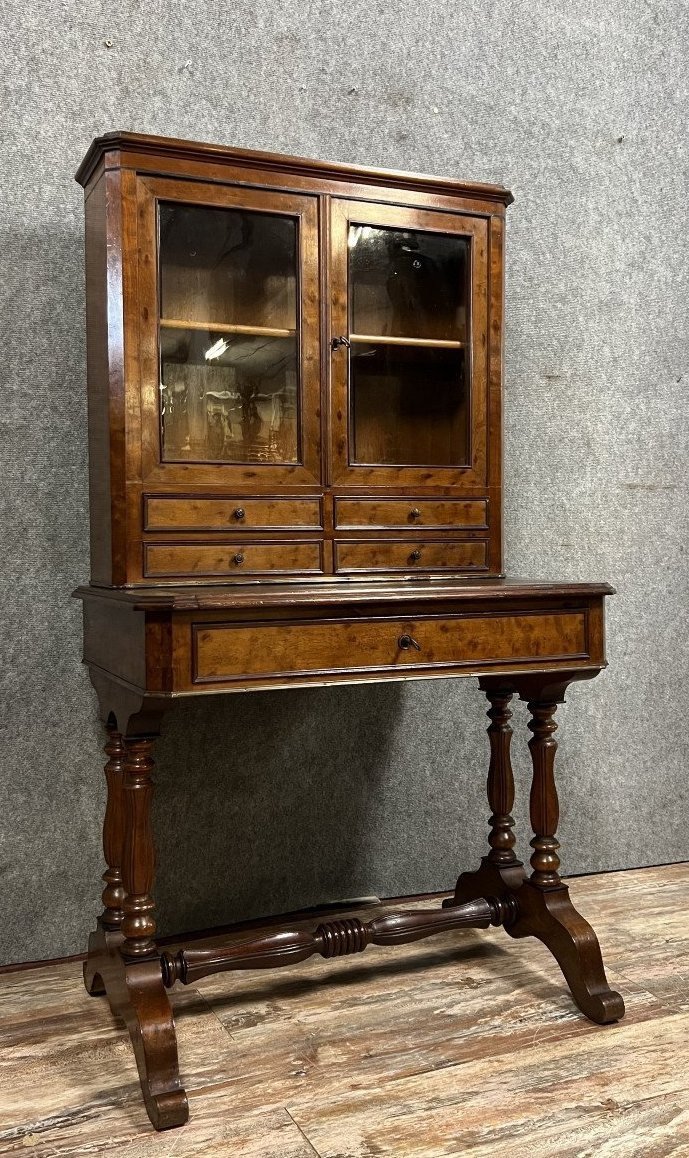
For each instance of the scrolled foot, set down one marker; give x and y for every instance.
(137, 995)
(93, 981)
(166, 1110)
(549, 915)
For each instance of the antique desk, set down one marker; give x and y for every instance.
(295, 384)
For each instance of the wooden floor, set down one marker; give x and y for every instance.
(465, 1044)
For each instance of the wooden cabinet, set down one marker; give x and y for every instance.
(316, 346)
(295, 375)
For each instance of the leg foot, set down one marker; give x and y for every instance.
(490, 880)
(137, 995)
(550, 916)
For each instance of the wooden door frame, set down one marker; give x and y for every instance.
(155, 472)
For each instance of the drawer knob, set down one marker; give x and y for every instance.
(406, 641)
(239, 512)
(239, 558)
(415, 513)
(415, 556)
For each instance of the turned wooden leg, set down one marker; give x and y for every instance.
(123, 957)
(545, 910)
(500, 780)
(138, 859)
(113, 837)
(136, 988)
(500, 869)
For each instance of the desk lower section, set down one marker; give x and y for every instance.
(241, 639)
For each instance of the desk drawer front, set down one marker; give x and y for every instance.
(380, 514)
(163, 513)
(223, 653)
(409, 555)
(230, 559)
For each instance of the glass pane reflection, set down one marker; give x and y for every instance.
(239, 406)
(228, 335)
(408, 283)
(409, 331)
(409, 405)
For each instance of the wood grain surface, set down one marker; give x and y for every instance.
(464, 1044)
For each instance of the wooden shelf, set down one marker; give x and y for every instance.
(226, 328)
(387, 340)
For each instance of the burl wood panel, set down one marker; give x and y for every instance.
(410, 512)
(235, 512)
(230, 558)
(409, 554)
(224, 652)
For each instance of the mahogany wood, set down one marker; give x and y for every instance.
(500, 779)
(138, 862)
(543, 802)
(113, 832)
(138, 997)
(210, 577)
(334, 939)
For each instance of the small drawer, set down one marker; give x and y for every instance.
(187, 559)
(173, 513)
(235, 652)
(379, 514)
(409, 555)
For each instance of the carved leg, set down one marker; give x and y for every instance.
(123, 955)
(500, 869)
(136, 990)
(113, 837)
(545, 910)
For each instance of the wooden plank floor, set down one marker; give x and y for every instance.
(465, 1044)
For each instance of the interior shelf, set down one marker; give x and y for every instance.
(389, 340)
(228, 328)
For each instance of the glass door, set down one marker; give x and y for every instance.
(408, 346)
(231, 382)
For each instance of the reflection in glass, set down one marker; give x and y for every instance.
(408, 405)
(409, 369)
(408, 283)
(228, 398)
(228, 336)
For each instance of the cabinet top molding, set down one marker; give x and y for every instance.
(169, 148)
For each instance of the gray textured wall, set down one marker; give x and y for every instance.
(280, 800)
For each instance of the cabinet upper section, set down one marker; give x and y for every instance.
(264, 329)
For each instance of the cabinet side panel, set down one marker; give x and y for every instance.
(105, 378)
(495, 389)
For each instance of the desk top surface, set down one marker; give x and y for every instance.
(248, 595)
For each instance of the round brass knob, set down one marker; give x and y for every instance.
(415, 513)
(415, 556)
(239, 512)
(239, 558)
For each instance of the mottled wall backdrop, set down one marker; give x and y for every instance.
(280, 800)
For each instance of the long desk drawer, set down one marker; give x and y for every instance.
(224, 652)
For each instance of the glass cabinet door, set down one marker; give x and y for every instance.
(408, 362)
(236, 368)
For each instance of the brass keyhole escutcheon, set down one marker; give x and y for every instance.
(405, 642)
